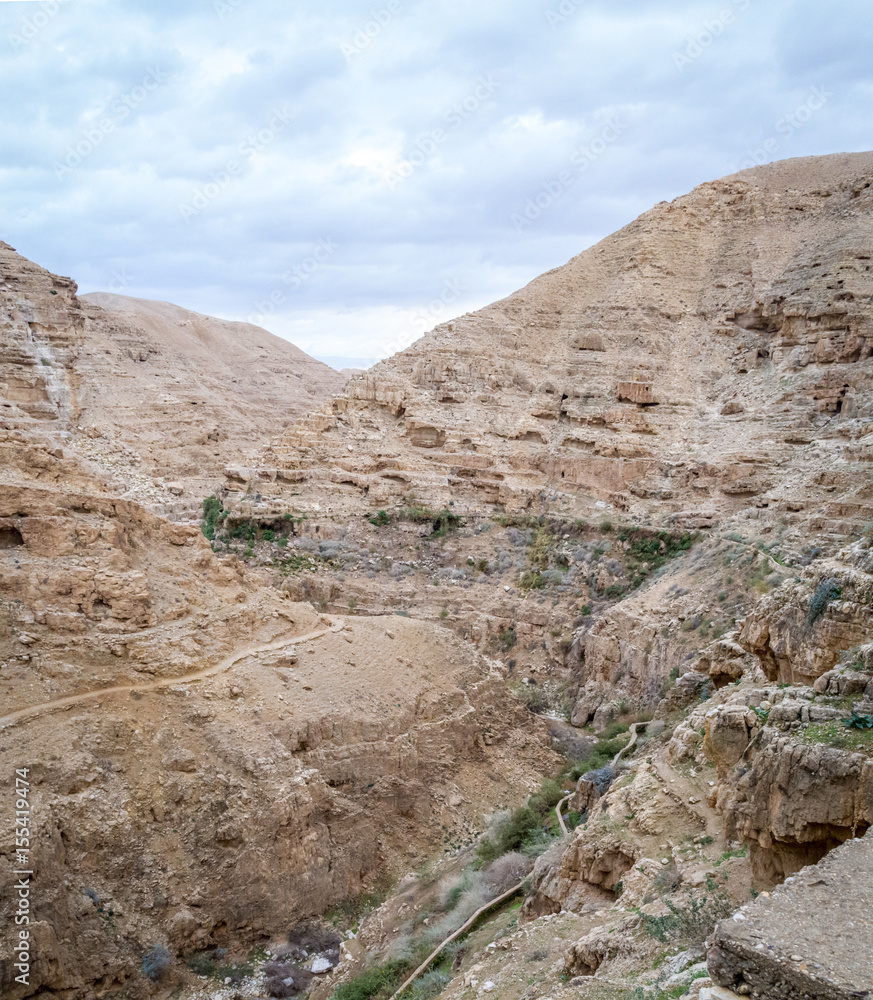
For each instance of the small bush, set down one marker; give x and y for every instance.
(534, 698)
(213, 515)
(856, 721)
(156, 962)
(202, 963)
(693, 923)
(827, 591)
(380, 519)
(375, 981)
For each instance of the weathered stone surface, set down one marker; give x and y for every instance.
(794, 802)
(807, 940)
(550, 391)
(791, 644)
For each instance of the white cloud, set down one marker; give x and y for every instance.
(328, 174)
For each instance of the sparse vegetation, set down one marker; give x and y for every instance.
(520, 829)
(155, 963)
(839, 736)
(692, 923)
(827, 591)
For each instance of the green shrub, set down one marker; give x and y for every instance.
(443, 523)
(375, 981)
(827, 591)
(692, 923)
(508, 638)
(202, 963)
(213, 515)
(380, 519)
(155, 963)
(856, 721)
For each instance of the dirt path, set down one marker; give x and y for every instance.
(558, 809)
(630, 745)
(224, 664)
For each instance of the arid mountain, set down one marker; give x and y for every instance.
(161, 398)
(187, 392)
(208, 761)
(618, 536)
(712, 359)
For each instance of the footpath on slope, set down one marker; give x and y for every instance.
(222, 665)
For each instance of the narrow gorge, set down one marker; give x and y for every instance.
(300, 671)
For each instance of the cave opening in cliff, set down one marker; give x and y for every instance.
(10, 538)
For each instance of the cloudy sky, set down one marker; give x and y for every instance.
(349, 173)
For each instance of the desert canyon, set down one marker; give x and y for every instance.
(566, 609)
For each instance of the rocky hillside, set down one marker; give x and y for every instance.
(552, 635)
(160, 398)
(712, 359)
(208, 761)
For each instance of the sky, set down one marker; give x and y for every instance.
(350, 174)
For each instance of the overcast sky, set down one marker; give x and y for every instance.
(348, 174)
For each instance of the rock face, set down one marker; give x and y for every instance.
(220, 813)
(808, 940)
(799, 633)
(161, 398)
(210, 761)
(710, 359)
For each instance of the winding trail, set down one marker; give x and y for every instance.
(461, 930)
(630, 744)
(222, 665)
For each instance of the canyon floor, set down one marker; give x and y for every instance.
(565, 609)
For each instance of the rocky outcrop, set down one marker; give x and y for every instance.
(649, 373)
(802, 630)
(793, 802)
(805, 941)
(579, 876)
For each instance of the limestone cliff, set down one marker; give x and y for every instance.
(711, 359)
